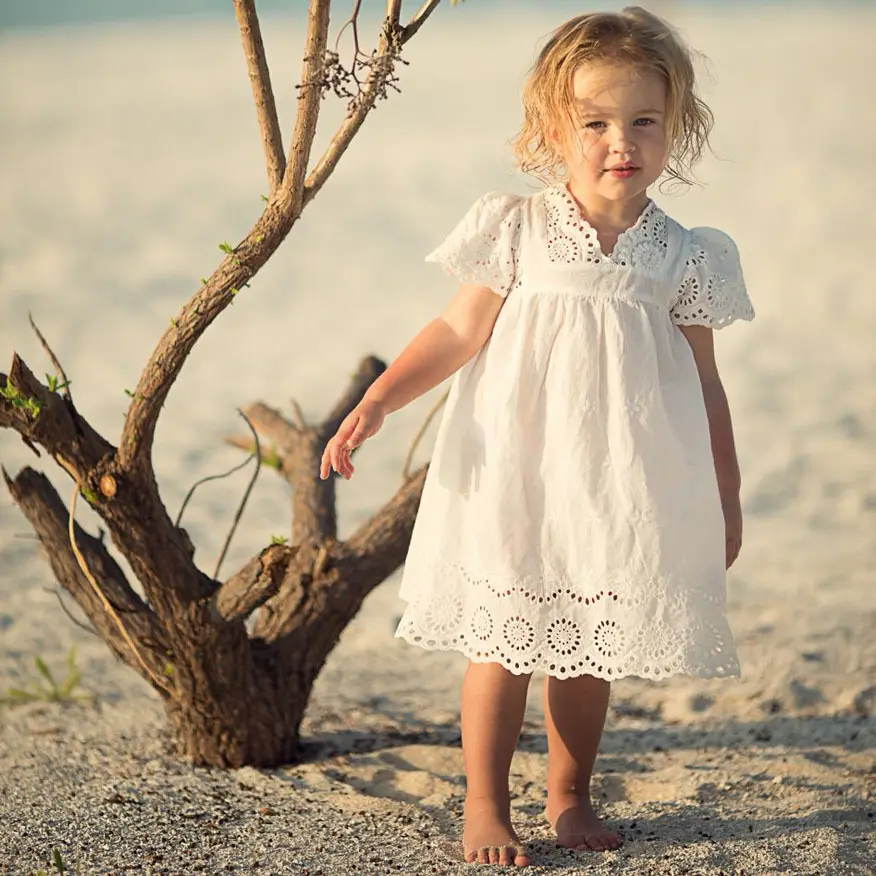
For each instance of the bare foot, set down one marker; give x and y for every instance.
(488, 837)
(577, 825)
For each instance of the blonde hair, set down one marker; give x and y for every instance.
(633, 37)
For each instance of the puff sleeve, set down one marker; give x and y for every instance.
(712, 290)
(482, 249)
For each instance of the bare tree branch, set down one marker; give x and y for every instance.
(351, 22)
(254, 584)
(46, 419)
(50, 518)
(244, 260)
(381, 543)
(216, 477)
(59, 368)
(263, 94)
(246, 494)
(107, 603)
(57, 594)
(392, 39)
(308, 105)
(419, 19)
(393, 11)
(298, 415)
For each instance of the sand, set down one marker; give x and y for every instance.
(131, 153)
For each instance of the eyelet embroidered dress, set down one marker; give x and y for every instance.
(570, 520)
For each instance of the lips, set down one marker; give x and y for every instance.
(628, 165)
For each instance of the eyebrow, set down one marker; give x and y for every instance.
(653, 112)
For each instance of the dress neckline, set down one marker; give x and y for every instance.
(573, 219)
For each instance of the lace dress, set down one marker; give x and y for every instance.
(570, 521)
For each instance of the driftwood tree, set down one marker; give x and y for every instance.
(234, 691)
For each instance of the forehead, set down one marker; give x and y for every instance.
(602, 87)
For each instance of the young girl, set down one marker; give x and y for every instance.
(582, 503)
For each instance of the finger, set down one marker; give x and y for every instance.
(359, 437)
(340, 459)
(346, 468)
(327, 463)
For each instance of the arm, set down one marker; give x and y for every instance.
(442, 347)
(701, 341)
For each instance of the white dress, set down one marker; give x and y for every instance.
(570, 520)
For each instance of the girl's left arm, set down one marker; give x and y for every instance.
(701, 342)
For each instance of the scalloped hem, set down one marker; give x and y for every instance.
(645, 670)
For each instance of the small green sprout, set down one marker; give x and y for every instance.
(279, 539)
(59, 865)
(50, 691)
(226, 247)
(31, 405)
(55, 384)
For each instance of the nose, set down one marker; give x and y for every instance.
(622, 140)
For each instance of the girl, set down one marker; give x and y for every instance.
(582, 503)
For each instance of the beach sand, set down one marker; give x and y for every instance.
(131, 152)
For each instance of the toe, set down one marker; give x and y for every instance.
(471, 856)
(483, 855)
(521, 859)
(506, 856)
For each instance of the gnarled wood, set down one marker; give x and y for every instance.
(48, 516)
(234, 697)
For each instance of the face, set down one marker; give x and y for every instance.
(615, 144)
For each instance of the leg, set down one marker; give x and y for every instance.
(574, 711)
(493, 702)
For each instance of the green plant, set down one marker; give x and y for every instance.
(31, 405)
(55, 383)
(59, 865)
(279, 539)
(48, 690)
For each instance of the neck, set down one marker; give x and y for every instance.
(611, 216)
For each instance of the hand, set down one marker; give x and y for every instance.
(360, 424)
(732, 527)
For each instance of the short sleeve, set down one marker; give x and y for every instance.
(712, 290)
(482, 249)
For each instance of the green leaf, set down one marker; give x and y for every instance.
(168, 670)
(226, 247)
(279, 539)
(45, 672)
(73, 678)
(58, 861)
(129, 393)
(18, 694)
(203, 281)
(264, 198)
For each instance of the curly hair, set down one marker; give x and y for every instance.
(633, 37)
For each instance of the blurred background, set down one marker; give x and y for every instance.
(130, 151)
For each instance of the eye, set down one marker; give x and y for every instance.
(644, 122)
(595, 126)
